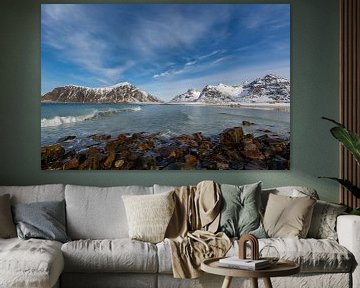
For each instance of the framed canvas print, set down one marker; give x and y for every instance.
(165, 86)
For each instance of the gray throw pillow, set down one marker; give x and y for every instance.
(240, 213)
(7, 226)
(44, 220)
(323, 222)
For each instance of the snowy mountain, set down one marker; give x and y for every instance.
(119, 93)
(220, 94)
(191, 95)
(269, 89)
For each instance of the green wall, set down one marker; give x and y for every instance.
(314, 80)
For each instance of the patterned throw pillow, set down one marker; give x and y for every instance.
(323, 223)
(240, 213)
(149, 215)
(288, 217)
(7, 226)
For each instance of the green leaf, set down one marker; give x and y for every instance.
(347, 184)
(348, 138)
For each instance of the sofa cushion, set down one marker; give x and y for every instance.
(98, 213)
(149, 215)
(287, 216)
(43, 220)
(7, 226)
(323, 222)
(117, 255)
(30, 263)
(313, 255)
(291, 191)
(240, 210)
(35, 193)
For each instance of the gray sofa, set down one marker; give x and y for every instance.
(101, 254)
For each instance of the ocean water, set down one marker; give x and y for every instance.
(82, 120)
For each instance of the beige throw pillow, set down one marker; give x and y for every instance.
(288, 217)
(149, 215)
(7, 226)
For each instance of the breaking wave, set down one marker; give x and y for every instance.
(60, 120)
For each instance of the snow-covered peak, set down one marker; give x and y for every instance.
(192, 95)
(123, 92)
(226, 89)
(99, 89)
(268, 89)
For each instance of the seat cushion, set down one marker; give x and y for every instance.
(30, 263)
(98, 213)
(117, 255)
(313, 255)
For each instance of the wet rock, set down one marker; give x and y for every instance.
(247, 123)
(66, 138)
(251, 151)
(100, 137)
(229, 150)
(51, 154)
(187, 140)
(122, 138)
(264, 130)
(206, 145)
(119, 163)
(190, 161)
(253, 154)
(176, 153)
(111, 149)
(222, 166)
(92, 160)
(198, 137)
(145, 146)
(72, 164)
(208, 165)
(232, 136)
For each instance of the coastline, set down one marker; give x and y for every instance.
(229, 150)
(254, 105)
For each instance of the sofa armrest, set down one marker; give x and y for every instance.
(348, 230)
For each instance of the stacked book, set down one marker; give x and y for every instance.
(248, 264)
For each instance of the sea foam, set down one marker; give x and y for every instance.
(61, 120)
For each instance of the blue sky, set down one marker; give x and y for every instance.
(163, 49)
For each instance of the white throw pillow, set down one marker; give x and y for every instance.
(149, 215)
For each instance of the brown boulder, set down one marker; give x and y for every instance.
(232, 136)
(72, 164)
(50, 154)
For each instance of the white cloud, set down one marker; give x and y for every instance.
(66, 29)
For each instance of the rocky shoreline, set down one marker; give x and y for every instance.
(230, 150)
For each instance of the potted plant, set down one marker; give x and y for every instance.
(351, 141)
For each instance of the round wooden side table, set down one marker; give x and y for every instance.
(281, 268)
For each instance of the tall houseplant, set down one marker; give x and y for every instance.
(351, 141)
